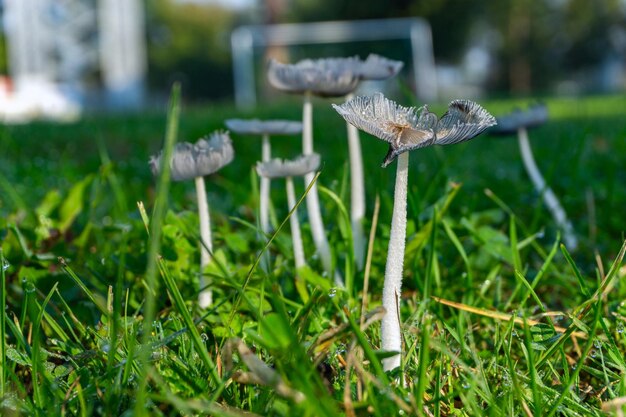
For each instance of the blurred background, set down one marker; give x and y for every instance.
(71, 55)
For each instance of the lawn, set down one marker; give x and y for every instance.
(498, 318)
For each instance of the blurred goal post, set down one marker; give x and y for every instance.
(245, 39)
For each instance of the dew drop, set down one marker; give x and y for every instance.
(332, 292)
(5, 265)
(204, 337)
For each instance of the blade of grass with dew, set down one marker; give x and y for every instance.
(426, 288)
(579, 365)
(36, 350)
(532, 370)
(469, 283)
(66, 268)
(424, 354)
(368, 259)
(544, 267)
(154, 243)
(346, 229)
(181, 307)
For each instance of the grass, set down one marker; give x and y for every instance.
(499, 318)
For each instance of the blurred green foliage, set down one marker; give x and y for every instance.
(189, 43)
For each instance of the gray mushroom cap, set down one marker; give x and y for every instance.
(311, 76)
(261, 127)
(191, 160)
(377, 67)
(535, 115)
(280, 168)
(408, 128)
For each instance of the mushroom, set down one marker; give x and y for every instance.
(407, 128)
(205, 157)
(375, 67)
(277, 168)
(519, 121)
(308, 77)
(264, 128)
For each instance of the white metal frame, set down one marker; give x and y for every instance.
(245, 39)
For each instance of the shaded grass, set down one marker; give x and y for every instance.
(535, 330)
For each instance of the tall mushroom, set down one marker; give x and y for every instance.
(277, 168)
(308, 78)
(194, 161)
(407, 128)
(264, 128)
(519, 122)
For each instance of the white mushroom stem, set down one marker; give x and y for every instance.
(265, 188)
(549, 198)
(391, 337)
(312, 198)
(296, 236)
(357, 193)
(205, 298)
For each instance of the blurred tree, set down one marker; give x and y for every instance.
(189, 42)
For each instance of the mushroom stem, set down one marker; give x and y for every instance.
(296, 236)
(357, 193)
(391, 337)
(550, 199)
(265, 188)
(312, 198)
(205, 297)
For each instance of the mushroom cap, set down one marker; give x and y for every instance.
(261, 127)
(191, 160)
(312, 76)
(279, 168)
(376, 67)
(408, 128)
(535, 115)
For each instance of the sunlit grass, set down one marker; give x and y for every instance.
(499, 318)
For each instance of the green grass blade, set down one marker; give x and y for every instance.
(35, 353)
(154, 242)
(3, 327)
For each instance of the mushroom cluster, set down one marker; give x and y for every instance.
(333, 77)
(403, 128)
(265, 128)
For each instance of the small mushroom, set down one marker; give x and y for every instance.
(407, 128)
(519, 121)
(277, 168)
(264, 128)
(194, 161)
(309, 77)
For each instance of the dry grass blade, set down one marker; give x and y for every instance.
(370, 318)
(259, 373)
(500, 316)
